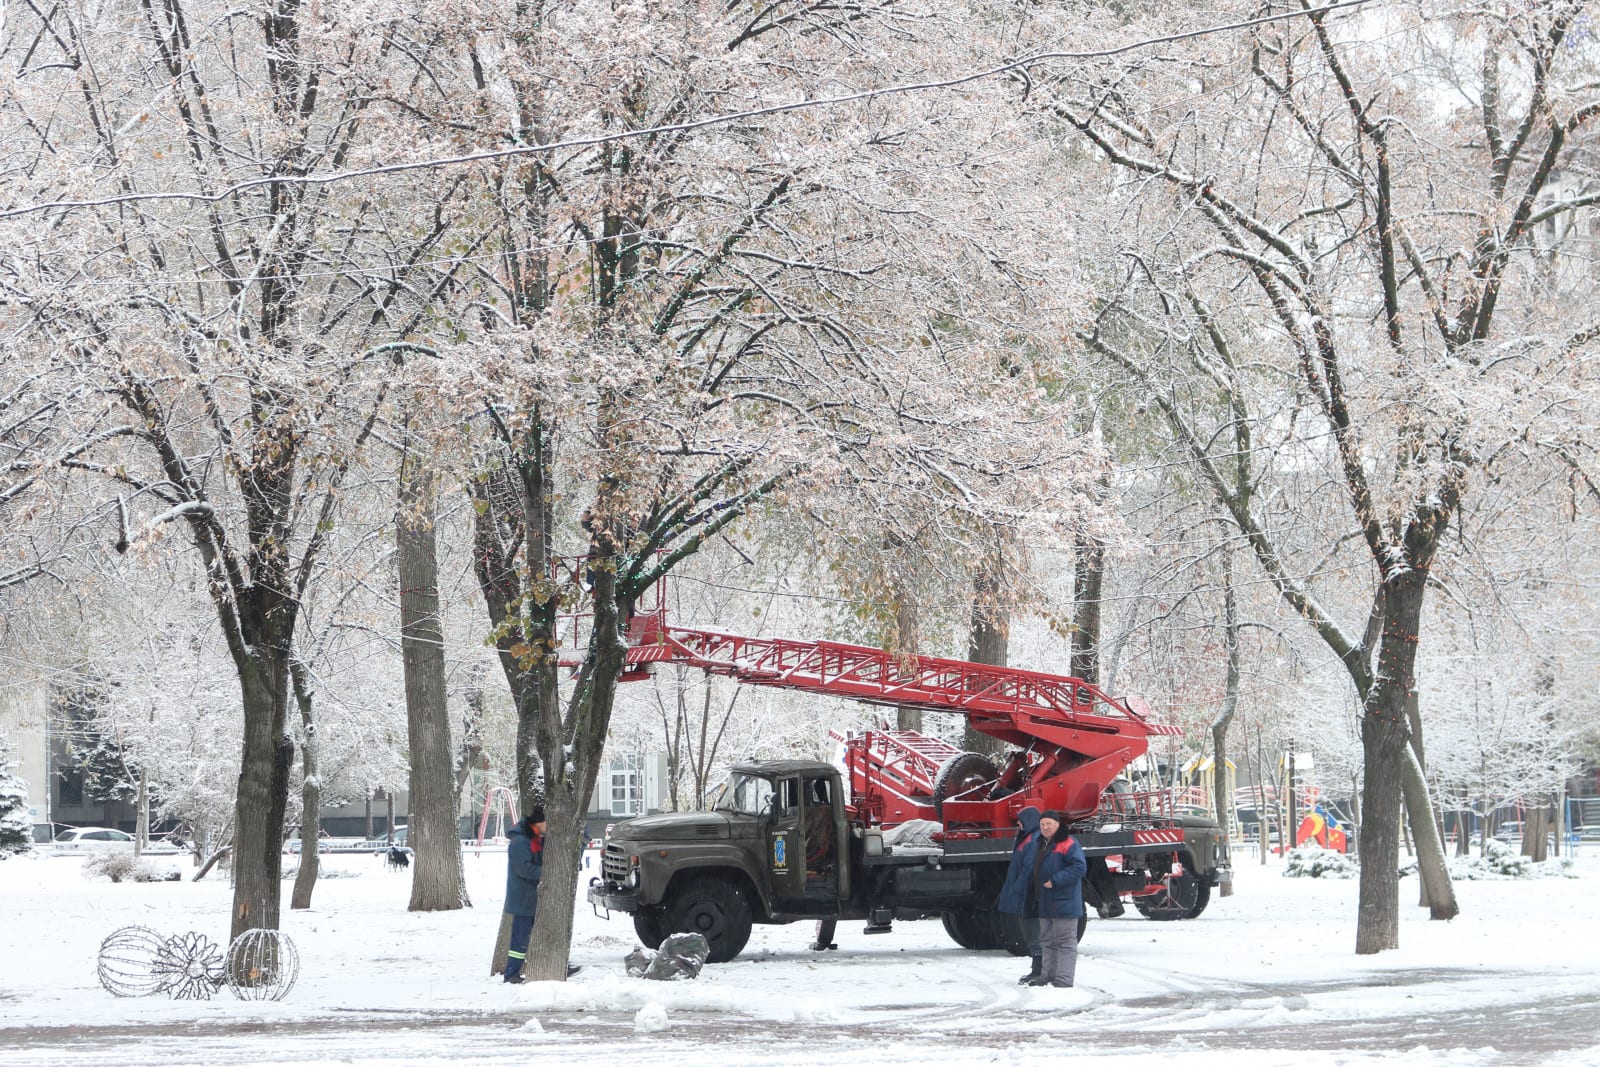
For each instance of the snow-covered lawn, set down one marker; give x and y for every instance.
(1263, 976)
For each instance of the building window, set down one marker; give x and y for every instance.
(69, 793)
(627, 786)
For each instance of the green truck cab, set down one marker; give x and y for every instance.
(767, 851)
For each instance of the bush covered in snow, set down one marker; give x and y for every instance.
(1501, 861)
(1313, 861)
(16, 825)
(1498, 862)
(125, 867)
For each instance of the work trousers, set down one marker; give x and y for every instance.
(1058, 941)
(521, 930)
(1030, 932)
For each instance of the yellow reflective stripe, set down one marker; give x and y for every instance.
(517, 955)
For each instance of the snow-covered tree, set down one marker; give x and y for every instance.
(16, 825)
(1342, 274)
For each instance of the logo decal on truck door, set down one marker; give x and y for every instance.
(780, 853)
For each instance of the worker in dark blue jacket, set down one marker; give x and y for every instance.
(1060, 868)
(524, 867)
(1017, 896)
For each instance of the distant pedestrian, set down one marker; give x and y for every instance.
(1060, 867)
(1018, 895)
(524, 868)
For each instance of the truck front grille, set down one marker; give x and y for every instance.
(614, 865)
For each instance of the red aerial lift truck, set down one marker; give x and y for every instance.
(795, 840)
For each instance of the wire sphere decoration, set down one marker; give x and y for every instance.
(127, 964)
(262, 965)
(190, 966)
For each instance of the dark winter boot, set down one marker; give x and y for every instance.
(1038, 968)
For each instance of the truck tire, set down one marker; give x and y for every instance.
(961, 772)
(1185, 896)
(1010, 932)
(715, 908)
(972, 929)
(648, 927)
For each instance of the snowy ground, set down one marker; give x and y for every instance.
(1266, 976)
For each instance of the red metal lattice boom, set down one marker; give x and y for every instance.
(1077, 736)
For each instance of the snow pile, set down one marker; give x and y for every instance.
(651, 1019)
(324, 871)
(816, 1011)
(1501, 861)
(1313, 861)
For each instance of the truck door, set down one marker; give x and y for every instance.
(821, 836)
(786, 845)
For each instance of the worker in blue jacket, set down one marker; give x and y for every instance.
(1060, 868)
(524, 868)
(1017, 896)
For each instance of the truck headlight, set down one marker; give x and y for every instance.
(632, 881)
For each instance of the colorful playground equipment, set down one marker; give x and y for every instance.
(1320, 827)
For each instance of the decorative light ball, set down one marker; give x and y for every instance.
(127, 963)
(262, 965)
(190, 966)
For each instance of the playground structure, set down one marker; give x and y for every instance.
(499, 806)
(1320, 827)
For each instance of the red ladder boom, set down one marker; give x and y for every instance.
(1072, 737)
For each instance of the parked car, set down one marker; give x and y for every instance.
(380, 842)
(91, 839)
(292, 846)
(1510, 831)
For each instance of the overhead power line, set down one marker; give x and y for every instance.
(594, 140)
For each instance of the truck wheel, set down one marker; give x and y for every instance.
(1202, 899)
(1008, 929)
(961, 772)
(1185, 897)
(716, 909)
(970, 929)
(648, 927)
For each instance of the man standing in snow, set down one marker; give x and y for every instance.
(1061, 867)
(1017, 896)
(524, 868)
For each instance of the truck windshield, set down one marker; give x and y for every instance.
(746, 793)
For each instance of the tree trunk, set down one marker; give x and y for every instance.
(263, 796)
(216, 857)
(141, 816)
(572, 747)
(1221, 799)
(1386, 753)
(437, 882)
(470, 755)
(502, 945)
(305, 880)
(1433, 886)
(1536, 833)
(1088, 581)
(987, 640)
(1438, 894)
(907, 625)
